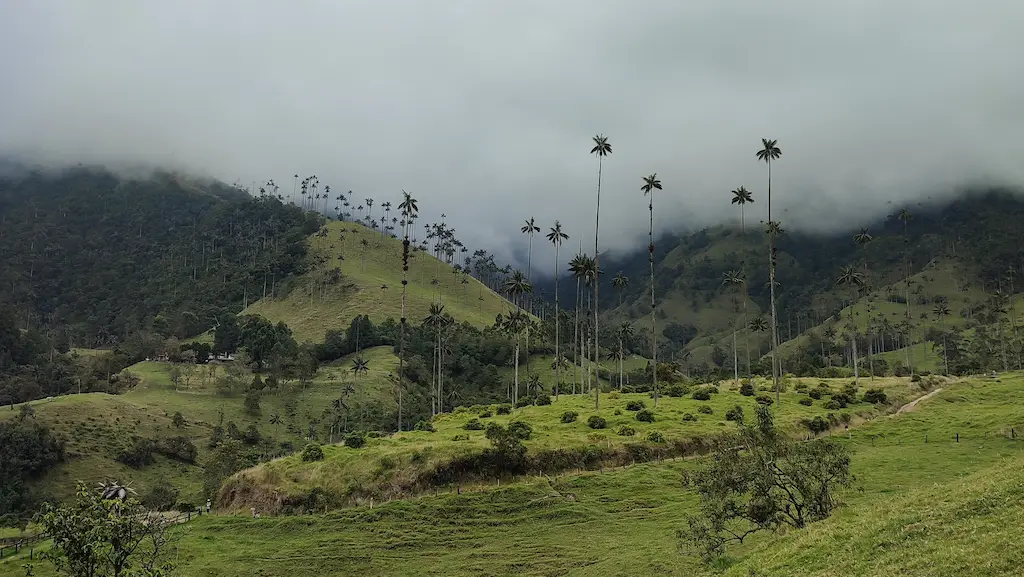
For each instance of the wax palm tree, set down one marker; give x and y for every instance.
(275, 420)
(742, 197)
(620, 282)
(862, 239)
(410, 210)
(436, 318)
(513, 324)
(360, 366)
(904, 216)
(734, 278)
(625, 332)
(556, 237)
(518, 288)
(576, 270)
(602, 149)
(529, 228)
(941, 311)
(758, 325)
(850, 276)
(651, 183)
(769, 152)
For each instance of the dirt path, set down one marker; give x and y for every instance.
(912, 404)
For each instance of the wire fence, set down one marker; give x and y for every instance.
(12, 546)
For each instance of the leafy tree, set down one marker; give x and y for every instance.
(762, 480)
(27, 450)
(227, 335)
(98, 537)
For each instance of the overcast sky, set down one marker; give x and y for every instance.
(485, 109)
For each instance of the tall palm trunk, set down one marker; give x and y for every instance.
(746, 332)
(558, 322)
(654, 334)
(597, 280)
(576, 340)
(735, 359)
(906, 277)
(776, 366)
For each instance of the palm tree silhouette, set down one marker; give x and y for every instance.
(850, 276)
(436, 318)
(602, 148)
(620, 282)
(625, 332)
(528, 229)
(742, 197)
(734, 278)
(941, 311)
(904, 216)
(769, 152)
(410, 210)
(360, 366)
(651, 183)
(513, 325)
(556, 237)
(862, 239)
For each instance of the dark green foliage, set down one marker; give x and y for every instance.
(645, 416)
(834, 404)
(252, 403)
(524, 401)
(747, 389)
(625, 431)
(702, 394)
(486, 415)
(267, 344)
(110, 256)
(473, 424)
(806, 401)
(569, 416)
(764, 400)
(542, 400)
(503, 409)
(425, 426)
(178, 420)
(761, 481)
(179, 448)
(706, 410)
(814, 394)
(226, 459)
(816, 425)
(27, 450)
(655, 437)
(734, 414)
(227, 336)
(635, 405)
(850, 390)
(596, 422)
(355, 440)
(312, 452)
(689, 417)
(162, 497)
(520, 430)
(138, 454)
(677, 390)
(876, 396)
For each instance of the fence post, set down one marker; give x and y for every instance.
(926, 438)
(189, 517)
(958, 437)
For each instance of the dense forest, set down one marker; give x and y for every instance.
(88, 257)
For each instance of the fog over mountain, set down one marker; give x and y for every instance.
(485, 110)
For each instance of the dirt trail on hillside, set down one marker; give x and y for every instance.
(912, 404)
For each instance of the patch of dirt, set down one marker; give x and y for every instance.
(912, 404)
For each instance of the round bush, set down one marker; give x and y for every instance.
(734, 414)
(655, 437)
(596, 422)
(817, 425)
(460, 438)
(876, 396)
(814, 394)
(425, 426)
(504, 409)
(355, 440)
(689, 417)
(806, 401)
(764, 400)
(520, 430)
(473, 424)
(645, 416)
(702, 395)
(617, 412)
(543, 400)
(635, 406)
(705, 410)
(747, 389)
(312, 452)
(625, 431)
(677, 390)
(486, 415)
(569, 416)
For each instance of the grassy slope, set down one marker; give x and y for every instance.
(916, 510)
(365, 271)
(385, 464)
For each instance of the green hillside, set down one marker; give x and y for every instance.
(366, 269)
(916, 509)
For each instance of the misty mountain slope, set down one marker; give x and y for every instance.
(978, 230)
(358, 271)
(94, 257)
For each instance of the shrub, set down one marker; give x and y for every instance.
(876, 396)
(747, 389)
(689, 417)
(504, 409)
(569, 416)
(800, 387)
(543, 400)
(355, 440)
(645, 416)
(764, 400)
(473, 425)
(180, 448)
(702, 394)
(617, 412)
(375, 434)
(817, 425)
(596, 422)
(312, 452)
(161, 497)
(814, 394)
(655, 437)
(834, 404)
(734, 414)
(138, 454)
(460, 438)
(524, 402)
(677, 390)
(625, 431)
(520, 430)
(486, 415)
(425, 426)
(635, 406)
(178, 420)
(706, 410)
(850, 390)
(915, 378)
(806, 401)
